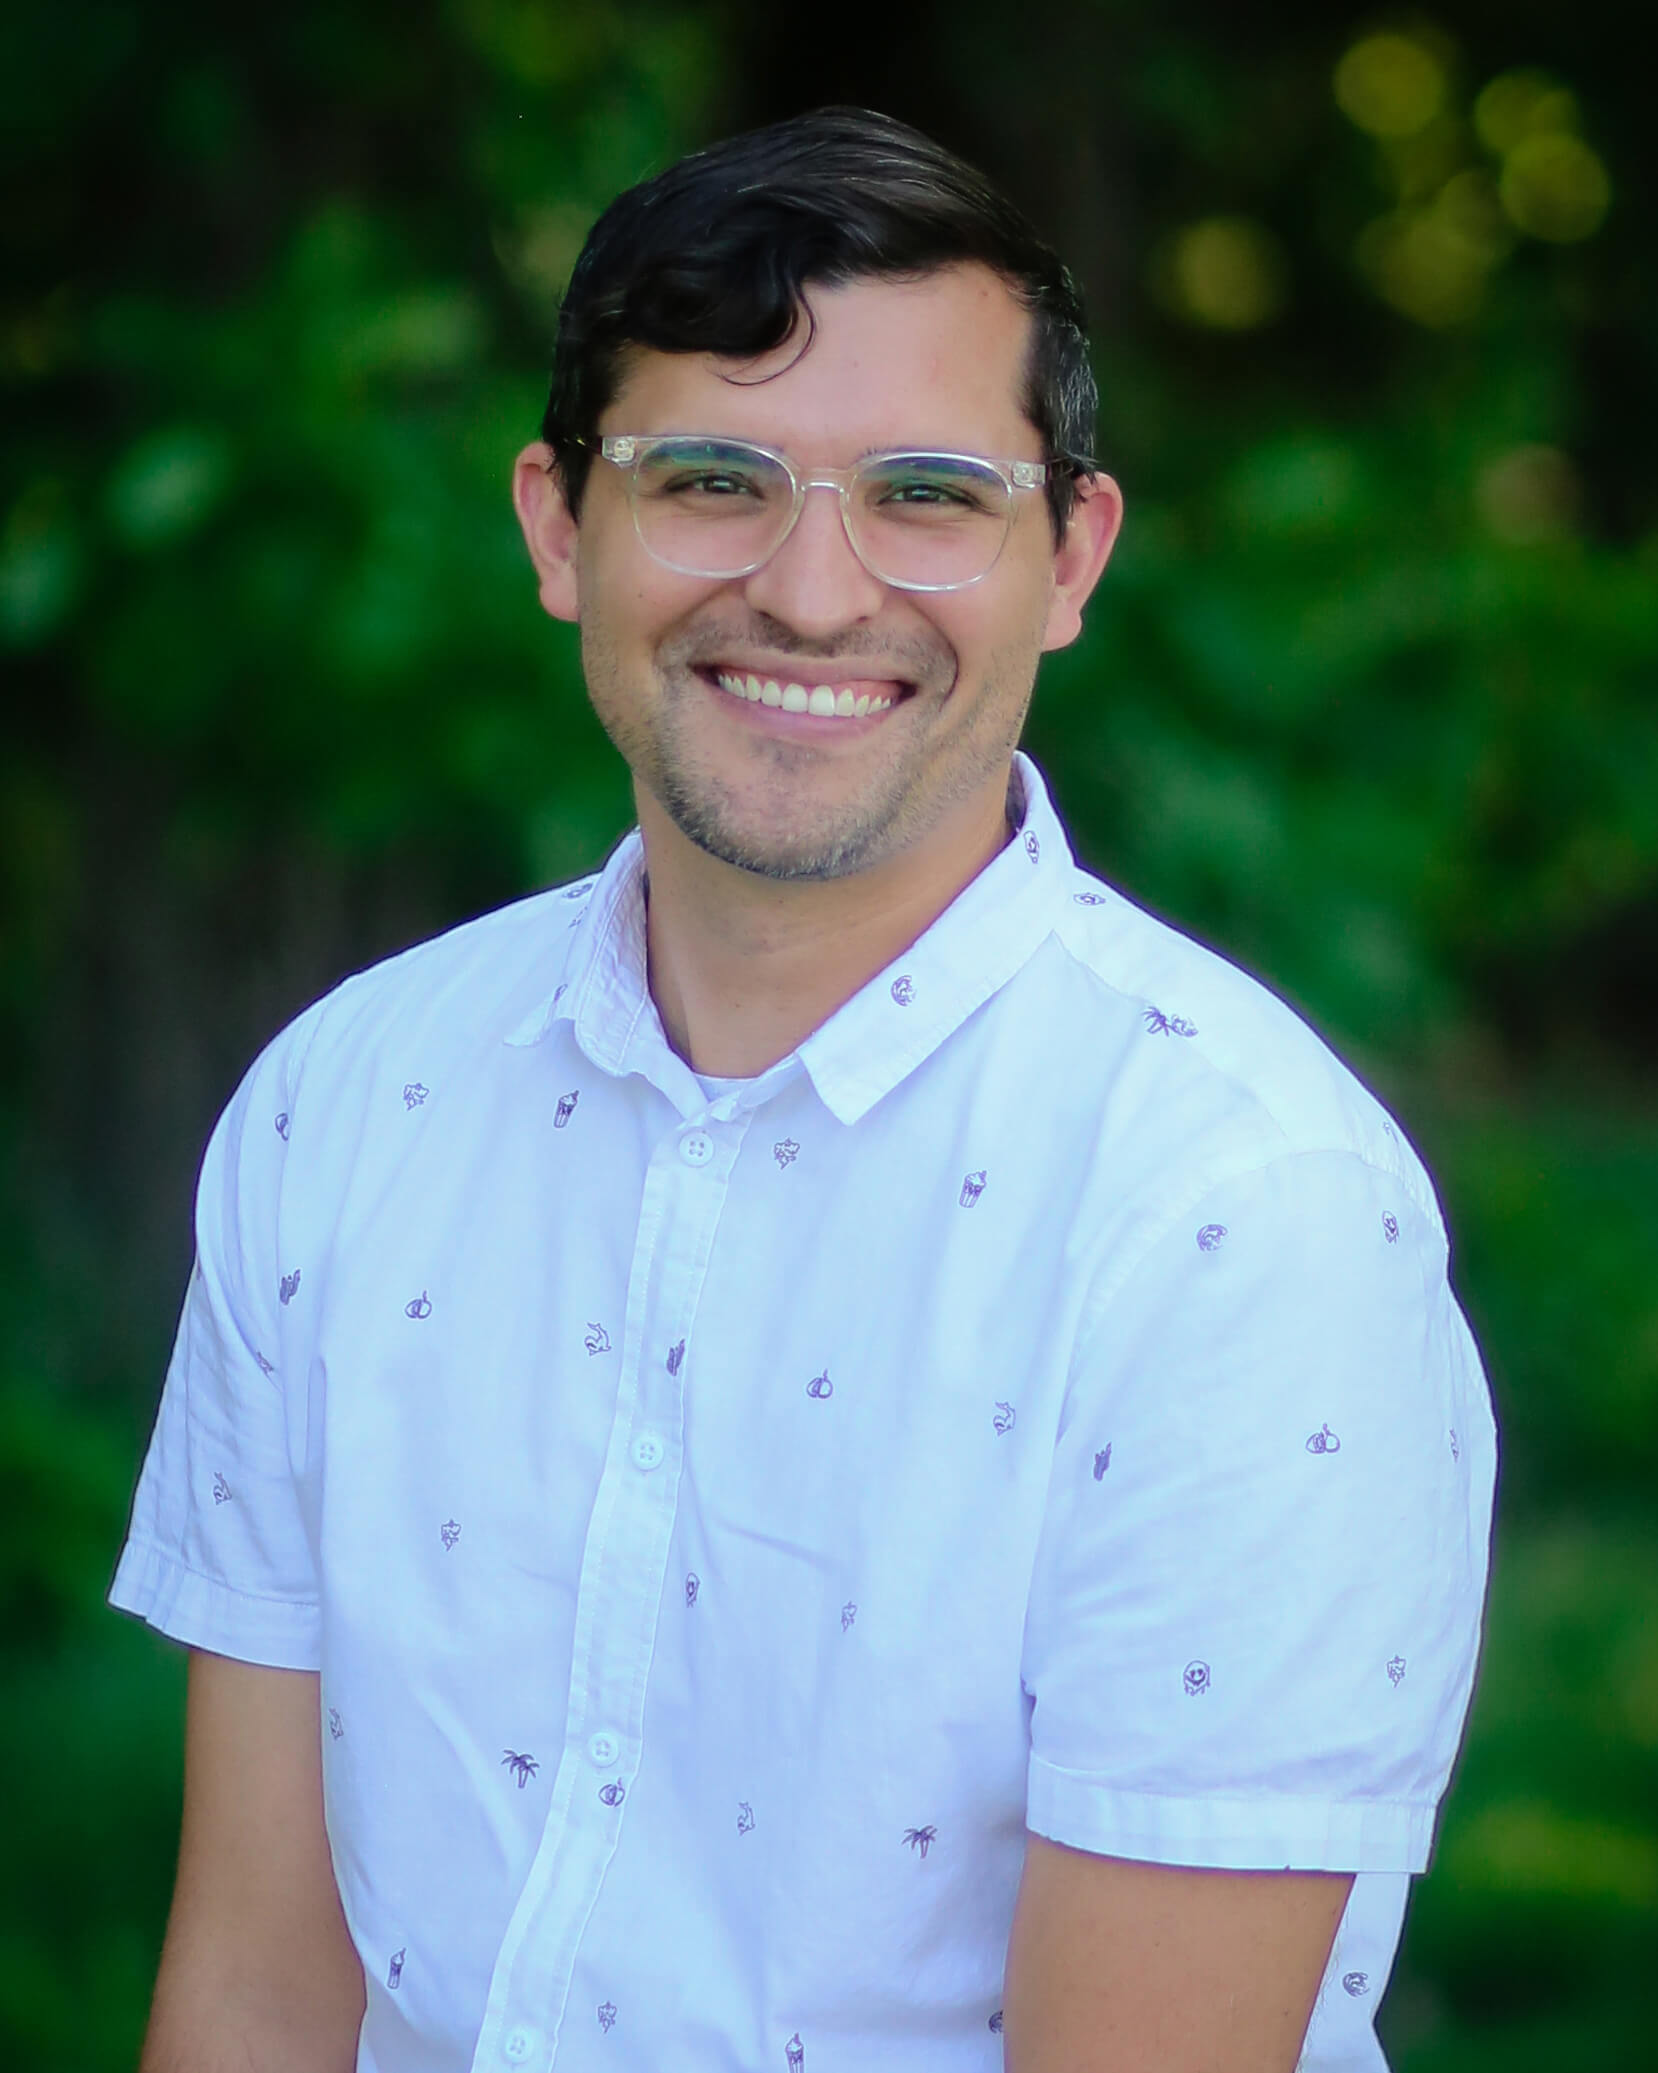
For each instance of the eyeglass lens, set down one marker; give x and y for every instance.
(721, 508)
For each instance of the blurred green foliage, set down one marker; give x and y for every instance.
(1367, 701)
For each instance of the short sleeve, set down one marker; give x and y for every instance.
(218, 1555)
(1256, 1603)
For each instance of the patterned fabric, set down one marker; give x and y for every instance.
(723, 1521)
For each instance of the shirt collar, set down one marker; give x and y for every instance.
(874, 1040)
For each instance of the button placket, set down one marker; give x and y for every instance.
(619, 1593)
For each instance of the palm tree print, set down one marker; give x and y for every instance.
(522, 1766)
(1168, 1025)
(921, 1839)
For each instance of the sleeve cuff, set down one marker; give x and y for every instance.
(202, 1613)
(1259, 1832)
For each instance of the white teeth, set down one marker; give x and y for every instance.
(823, 701)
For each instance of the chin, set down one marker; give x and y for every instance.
(785, 861)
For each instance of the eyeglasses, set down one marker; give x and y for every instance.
(917, 521)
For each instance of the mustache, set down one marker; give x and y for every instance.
(916, 659)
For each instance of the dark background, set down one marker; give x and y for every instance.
(1367, 701)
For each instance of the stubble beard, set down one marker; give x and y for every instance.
(903, 800)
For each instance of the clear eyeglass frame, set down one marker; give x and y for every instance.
(626, 451)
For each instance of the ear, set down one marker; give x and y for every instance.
(1090, 534)
(549, 530)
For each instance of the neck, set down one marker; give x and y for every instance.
(742, 969)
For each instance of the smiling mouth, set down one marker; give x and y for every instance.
(820, 701)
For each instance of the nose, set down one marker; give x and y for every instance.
(814, 583)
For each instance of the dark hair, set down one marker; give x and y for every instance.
(711, 256)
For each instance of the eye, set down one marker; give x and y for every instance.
(928, 488)
(700, 472)
(709, 482)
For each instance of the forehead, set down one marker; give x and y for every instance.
(934, 361)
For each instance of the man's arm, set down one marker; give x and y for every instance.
(258, 1973)
(1117, 1967)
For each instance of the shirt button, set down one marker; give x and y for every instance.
(696, 1148)
(518, 2045)
(604, 1748)
(647, 1451)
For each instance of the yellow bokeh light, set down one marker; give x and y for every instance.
(1390, 86)
(1555, 187)
(1424, 264)
(1226, 272)
(1470, 206)
(1522, 104)
(1421, 164)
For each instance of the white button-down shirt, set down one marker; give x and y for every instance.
(723, 1520)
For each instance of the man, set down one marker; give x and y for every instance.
(833, 1451)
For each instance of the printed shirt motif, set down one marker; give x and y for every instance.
(601, 1536)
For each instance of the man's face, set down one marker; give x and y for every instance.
(935, 363)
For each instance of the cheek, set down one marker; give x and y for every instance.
(639, 599)
(997, 636)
